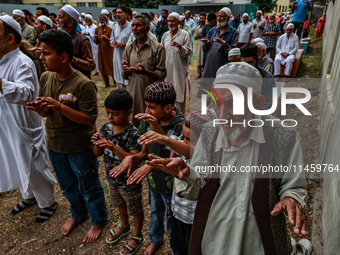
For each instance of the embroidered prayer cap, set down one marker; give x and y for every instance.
(11, 22)
(257, 40)
(290, 25)
(175, 15)
(262, 45)
(234, 52)
(46, 20)
(71, 11)
(239, 73)
(160, 91)
(249, 50)
(89, 16)
(226, 10)
(19, 13)
(196, 119)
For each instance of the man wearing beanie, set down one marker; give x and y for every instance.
(27, 31)
(242, 212)
(23, 157)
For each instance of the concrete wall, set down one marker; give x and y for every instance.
(329, 128)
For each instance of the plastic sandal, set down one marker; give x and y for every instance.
(139, 240)
(114, 236)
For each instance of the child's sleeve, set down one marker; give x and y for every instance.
(133, 143)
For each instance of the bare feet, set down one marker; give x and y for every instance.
(93, 233)
(152, 248)
(69, 226)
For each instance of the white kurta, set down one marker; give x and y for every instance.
(177, 63)
(23, 157)
(120, 35)
(92, 30)
(286, 45)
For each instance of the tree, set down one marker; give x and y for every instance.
(265, 5)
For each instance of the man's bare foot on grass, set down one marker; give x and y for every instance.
(69, 226)
(93, 233)
(152, 248)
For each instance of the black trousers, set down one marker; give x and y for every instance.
(180, 237)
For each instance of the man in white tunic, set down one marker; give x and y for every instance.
(286, 48)
(119, 37)
(90, 31)
(245, 31)
(246, 214)
(23, 157)
(177, 45)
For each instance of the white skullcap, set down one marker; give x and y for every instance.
(19, 13)
(260, 12)
(258, 40)
(71, 11)
(290, 25)
(89, 16)
(175, 15)
(262, 45)
(240, 73)
(234, 52)
(11, 22)
(182, 17)
(226, 10)
(134, 13)
(104, 11)
(83, 14)
(46, 20)
(245, 14)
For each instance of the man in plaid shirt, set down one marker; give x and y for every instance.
(270, 33)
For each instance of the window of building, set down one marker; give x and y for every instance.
(81, 5)
(92, 4)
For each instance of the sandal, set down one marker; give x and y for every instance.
(114, 236)
(139, 240)
(23, 205)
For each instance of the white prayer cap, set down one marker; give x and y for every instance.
(240, 73)
(104, 11)
(89, 16)
(290, 25)
(260, 12)
(257, 40)
(19, 13)
(262, 45)
(82, 14)
(182, 17)
(226, 10)
(245, 14)
(234, 52)
(71, 11)
(175, 15)
(11, 22)
(46, 20)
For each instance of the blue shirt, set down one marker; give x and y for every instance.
(300, 11)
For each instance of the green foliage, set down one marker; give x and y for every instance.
(265, 5)
(152, 4)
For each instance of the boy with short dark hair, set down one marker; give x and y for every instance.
(116, 140)
(162, 117)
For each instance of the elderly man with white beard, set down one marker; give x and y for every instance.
(242, 212)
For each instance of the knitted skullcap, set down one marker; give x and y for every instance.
(196, 119)
(160, 91)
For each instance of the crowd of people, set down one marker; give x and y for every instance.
(46, 62)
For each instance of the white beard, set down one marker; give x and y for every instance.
(222, 24)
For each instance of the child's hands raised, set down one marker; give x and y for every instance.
(147, 117)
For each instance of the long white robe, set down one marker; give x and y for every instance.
(286, 45)
(92, 30)
(23, 156)
(177, 63)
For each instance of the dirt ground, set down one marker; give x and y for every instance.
(21, 235)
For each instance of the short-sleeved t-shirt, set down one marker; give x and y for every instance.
(127, 140)
(300, 11)
(79, 93)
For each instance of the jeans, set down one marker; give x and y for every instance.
(159, 204)
(77, 174)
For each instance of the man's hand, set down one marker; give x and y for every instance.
(119, 45)
(38, 107)
(176, 44)
(152, 137)
(139, 174)
(147, 117)
(113, 44)
(285, 55)
(125, 165)
(254, 25)
(205, 41)
(126, 67)
(296, 214)
(219, 40)
(174, 166)
(163, 22)
(105, 38)
(51, 103)
(98, 140)
(140, 70)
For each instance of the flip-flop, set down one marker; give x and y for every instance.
(115, 237)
